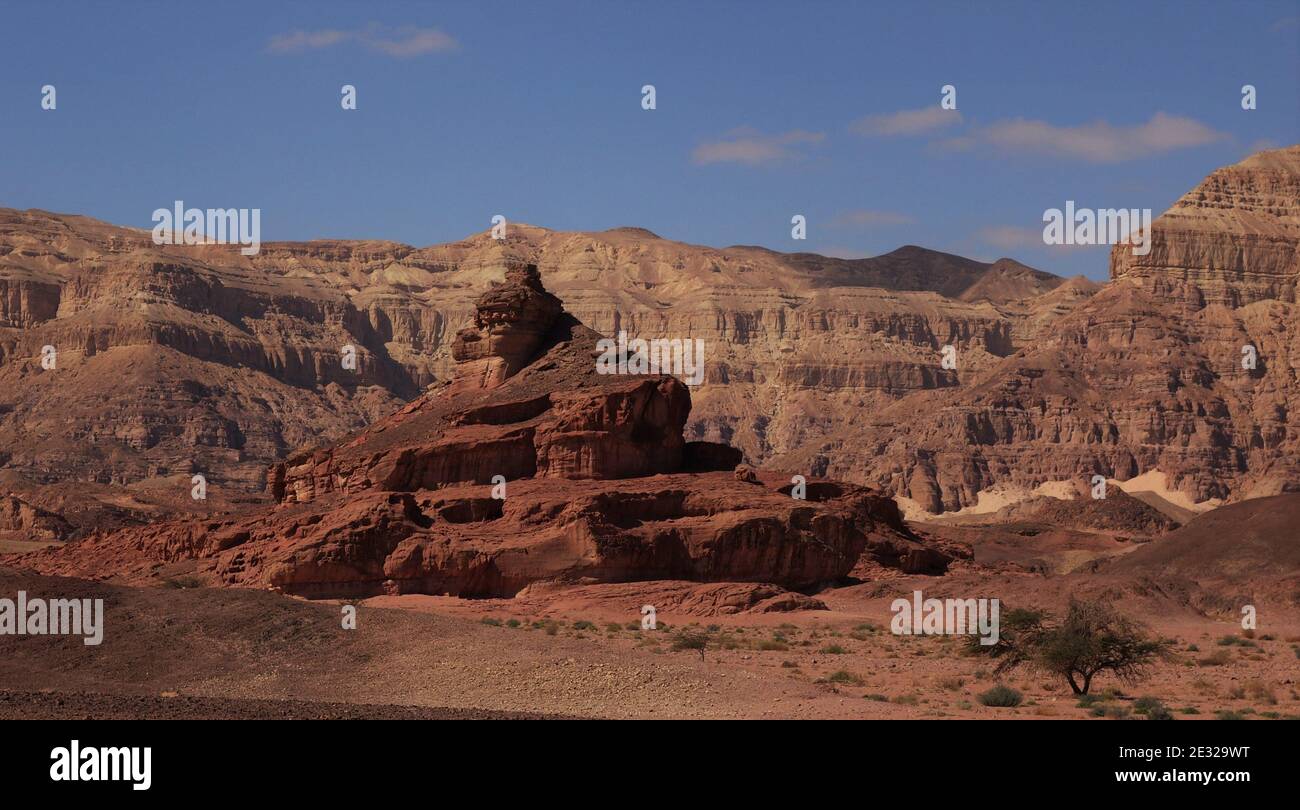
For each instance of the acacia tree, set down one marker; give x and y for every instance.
(1093, 638)
(688, 640)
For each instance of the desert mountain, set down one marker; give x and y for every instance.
(1253, 541)
(172, 361)
(528, 467)
(176, 360)
(1145, 377)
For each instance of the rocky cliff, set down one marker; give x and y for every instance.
(1146, 376)
(172, 361)
(528, 467)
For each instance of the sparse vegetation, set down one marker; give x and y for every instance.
(1092, 639)
(1001, 696)
(1215, 659)
(1229, 641)
(691, 640)
(845, 677)
(1258, 690)
(1153, 708)
(832, 649)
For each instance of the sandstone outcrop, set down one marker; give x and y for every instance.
(176, 360)
(551, 474)
(22, 519)
(510, 323)
(1145, 376)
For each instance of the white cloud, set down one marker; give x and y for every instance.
(748, 146)
(402, 42)
(870, 219)
(906, 122)
(1010, 237)
(1013, 237)
(1097, 142)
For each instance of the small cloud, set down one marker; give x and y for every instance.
(1013, 237)
(402, 42)
(299, 41)
(1098, 142)
(906, 122)
(748, 146)
(1285, 24)
(1010, 237)
(870, 219)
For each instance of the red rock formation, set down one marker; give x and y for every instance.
(510, 323)
(30, 522)
(594, 491)
(174, 360)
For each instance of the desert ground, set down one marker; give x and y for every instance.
(177, 652)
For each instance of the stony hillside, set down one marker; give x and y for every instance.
(175, 360)
(528, 467)
(1145, 376)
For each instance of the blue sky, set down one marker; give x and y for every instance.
(533, 110)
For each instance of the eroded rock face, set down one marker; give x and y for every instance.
(510, 323)
(1231, 241)
(1145, 375)
(552, 474)
(171, 360)
(30, 522)
(463, 542)
(175, 360)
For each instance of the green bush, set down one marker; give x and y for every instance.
(846, 677)
(1160, 713)
(1001, 696)
(691, 640)
(1145, 704)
